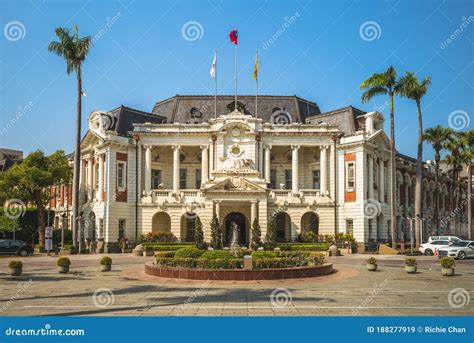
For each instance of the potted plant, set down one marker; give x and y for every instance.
(63, 264)
(15, 268)
(105, 264)
(410, 265)
(372, 264)
(447, 266)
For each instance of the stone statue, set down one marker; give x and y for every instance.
(234, 240)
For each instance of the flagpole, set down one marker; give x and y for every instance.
(215, 90)
(256, 91)
(235, 72)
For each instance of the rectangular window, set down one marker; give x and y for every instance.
(190, 225)
(280, 228)
(96, 175)
(350, 226)
(155, 178)
(198, 178)
(316, 179)
(101, 228)
(121, 176)
(273, 178)
(288, 179)
(182, 178)
(121, 228)
(350, 176)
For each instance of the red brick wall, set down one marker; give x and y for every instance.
(349, 196)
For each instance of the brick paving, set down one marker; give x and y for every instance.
(127, 291)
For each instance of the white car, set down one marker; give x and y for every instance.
(460, 250)
(443, 238)
(429, 248)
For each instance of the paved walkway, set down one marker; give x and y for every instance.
(128, 291)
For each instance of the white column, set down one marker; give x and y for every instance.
(267, 162)
(381, 181)
(90, 171)
(294, 167)
(323, 170)
(204, 163)
(218, 210)
(253, 212)
(176, 161)
(147, 169)
(100, 191)
(371, 176)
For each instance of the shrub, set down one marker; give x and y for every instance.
(165, 247)
(216, 232)
(304, 246)
(310, 236)
(164, 253)
(188, 252)
(447, 262)
(217, 254)
(264, 254)
(68, 246)
(372, 260)
(270, 238)
(15, 264)
(63, 262)
(198, 233)
(219, 263)
(410, 261)
(40, 247)
(288, 262)
(152, 237)
(105, 261)
(256, 235)
(240, 253)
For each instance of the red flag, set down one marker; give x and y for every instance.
(233, 37)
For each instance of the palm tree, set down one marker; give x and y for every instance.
(386, 83)
(74, 50)
(466, 156)
(437, 136)
(413, 89)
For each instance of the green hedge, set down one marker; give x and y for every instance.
(200, 263)
(165, 253)
(217, 254)
(304, 246)
(288, 262)
(165, 247)
(188, 252)
(264, 254)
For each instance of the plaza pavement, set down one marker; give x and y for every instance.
(127, 291)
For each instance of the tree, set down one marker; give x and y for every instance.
(385, 83)
(410, 87)
(9, 224)
(198, 233)
(30, 181)
(437, 136)
(256, 235)
(216, 232)
(466, 156)
(270, 237)
(74, 50)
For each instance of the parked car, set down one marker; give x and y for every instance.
(430, 247)
(15, 247)
(460, 250)
(444, 238)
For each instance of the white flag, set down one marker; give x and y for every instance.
(213, 66)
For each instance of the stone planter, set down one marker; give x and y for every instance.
(371, 267)
(68, 251)
(63, 269)
(411, 269)
(447, 271)
(15, 271)
(105, 267)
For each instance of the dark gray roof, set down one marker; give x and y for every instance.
(345, 118)
(125, 117)
(200, 108)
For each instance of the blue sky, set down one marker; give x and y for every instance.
(326, 49)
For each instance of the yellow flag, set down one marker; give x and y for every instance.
(255, 69)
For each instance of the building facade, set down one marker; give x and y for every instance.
(198, 155)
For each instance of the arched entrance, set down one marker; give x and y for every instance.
(241, 221)
(310, 223)
(283, 227)
(161, 222)
(188, 224)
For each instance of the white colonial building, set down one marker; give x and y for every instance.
(150, 172)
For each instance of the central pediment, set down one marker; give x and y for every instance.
(236, 184)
